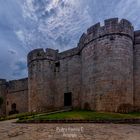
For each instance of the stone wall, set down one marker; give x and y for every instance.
(17, 93)
(3, 93)
(68, 77)
(51, 74)
(107, 66)
(41, 79)
(137, 70)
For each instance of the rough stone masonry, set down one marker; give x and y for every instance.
(102, 73)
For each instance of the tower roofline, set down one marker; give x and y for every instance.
(111, 26)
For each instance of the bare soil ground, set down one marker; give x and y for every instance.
(12, 131)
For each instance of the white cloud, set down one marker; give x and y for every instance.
(60, 30)
(28, 10)
(12, 51)
(20, 35)
(58, 24)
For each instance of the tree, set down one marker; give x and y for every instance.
(1, 101)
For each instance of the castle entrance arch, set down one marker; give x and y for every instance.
(13, 109)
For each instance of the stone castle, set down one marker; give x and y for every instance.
(102, 73)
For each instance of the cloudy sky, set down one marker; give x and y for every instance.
(29, 24)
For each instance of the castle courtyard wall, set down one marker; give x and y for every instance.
(17, 94)
(3, 92)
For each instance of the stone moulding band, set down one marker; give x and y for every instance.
(39, 59)
(121, 34)
(18, 91)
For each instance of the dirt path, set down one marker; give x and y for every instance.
(13, 131)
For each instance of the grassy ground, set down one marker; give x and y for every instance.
(82, 115)
(15, 116)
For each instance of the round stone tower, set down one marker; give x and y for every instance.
(107, 66)
(41, 84)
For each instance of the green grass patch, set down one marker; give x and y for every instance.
(136, 114)
(81, 115)
(15, 116)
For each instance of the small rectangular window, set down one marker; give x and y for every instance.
(57, 64)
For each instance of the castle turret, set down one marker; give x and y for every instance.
(107, 66)
(137, 70)
(41, 82)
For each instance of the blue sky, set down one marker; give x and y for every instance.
(29, 24)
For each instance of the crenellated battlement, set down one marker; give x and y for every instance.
(111, 26)
(36, 54)
(82, 40)
(41, 54)
(137, 37)
(68, 53)
(17, 85)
